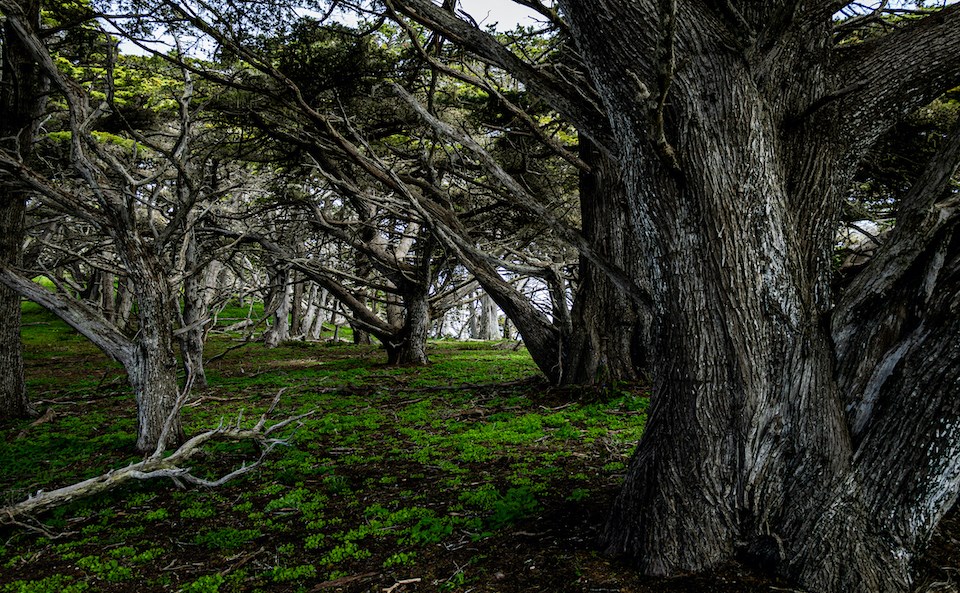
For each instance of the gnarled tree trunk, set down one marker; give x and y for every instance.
(738, 128)
(409, 345)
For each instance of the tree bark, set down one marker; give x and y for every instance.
(608, 337)
(152, 365)
(735, 167)
(279, 294)
(195, 312)
(409, 346)
(21, 101)
(489, 328)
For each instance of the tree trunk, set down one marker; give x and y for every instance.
(280, 293)
(489, 328)
(152, 365)
(21, 102)
(409, 346)
(296, 305)
(608, 336)
(735, 200)
(13, 393)
(311, 311)
(195, 312)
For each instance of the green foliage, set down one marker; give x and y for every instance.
(108, 570)
(57, 583)
(206, 584)
(286, 574)
(227, 538)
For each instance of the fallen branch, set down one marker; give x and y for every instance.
(399, 584)
(158, 466)
(47, 417)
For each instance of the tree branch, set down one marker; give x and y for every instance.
(898, 73)
(77, 314)
(585, 115)
(156, 466)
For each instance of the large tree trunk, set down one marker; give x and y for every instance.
(152, 365)
(608, 336)
(21, 101)
(735, 170)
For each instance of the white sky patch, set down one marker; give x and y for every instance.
(505, 13)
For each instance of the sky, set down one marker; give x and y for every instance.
(504, 12)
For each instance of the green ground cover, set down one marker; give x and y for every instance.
(469, 474)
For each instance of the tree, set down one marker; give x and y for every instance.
(22, 88)
(739, 126)
(115, 185)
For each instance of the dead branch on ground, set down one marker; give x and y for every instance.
(157, 465)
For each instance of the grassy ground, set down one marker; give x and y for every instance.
(467, 475)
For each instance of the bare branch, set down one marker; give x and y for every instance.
(156, 466)
(898, 73)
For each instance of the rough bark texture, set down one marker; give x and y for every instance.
(608, 334)
(195, 313)
(409, 345)
(280, 296)
(738, 126)
(152, 364)
(21, 92)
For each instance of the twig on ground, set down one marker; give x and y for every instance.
(399, 584)
(49, 415)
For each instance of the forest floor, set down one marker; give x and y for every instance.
(467, 475)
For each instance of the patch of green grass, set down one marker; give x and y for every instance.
(392, 463)
(57, 583)
(227, 538)
(107, 569)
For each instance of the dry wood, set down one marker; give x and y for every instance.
(158, 466)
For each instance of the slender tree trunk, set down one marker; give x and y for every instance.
(296, 305)
(124, 303)
(311, 311)
(195, 313)
(21, 101)
(280, 330)
(108, 296)
(488, 328)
